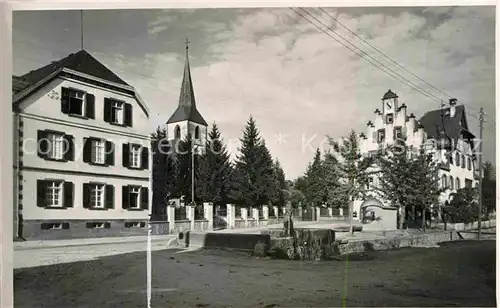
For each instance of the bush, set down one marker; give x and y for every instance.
(279, 253)
(260, 250)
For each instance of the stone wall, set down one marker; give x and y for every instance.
(236, 241)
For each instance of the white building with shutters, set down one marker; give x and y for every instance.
(82, 152)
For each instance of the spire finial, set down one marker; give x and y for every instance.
(186, 42)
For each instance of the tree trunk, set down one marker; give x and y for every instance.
(423, 219)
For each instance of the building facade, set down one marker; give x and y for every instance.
(444, 133)
(82, 152)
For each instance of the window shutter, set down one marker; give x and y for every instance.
(65, 100)
(43, 143)
(110, 153)
(107, 225)
(87, 150)
(89, 225)
(65, 225)
(107, 110)
(145, 158)
(40, 193)
(144, 198)
(125, 197)
(68, 194)
(126, 155)
(90, 106)
(86, 195)
(69, 148)
(45, 226)
(110, 197)
(128, 114)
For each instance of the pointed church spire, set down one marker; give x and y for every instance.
(186, 97)
(186, 111)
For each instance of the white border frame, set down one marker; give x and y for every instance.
(6, 157)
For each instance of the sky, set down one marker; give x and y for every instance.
(298, 83)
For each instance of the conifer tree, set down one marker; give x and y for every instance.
(254, 173)
(214, 171)
(315, 184)
(280, 186)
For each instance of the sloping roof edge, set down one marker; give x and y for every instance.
(32, 88)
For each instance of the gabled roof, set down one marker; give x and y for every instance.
(80, 65)
(438, 124)
(186, 111)
(82, 62)
(389, 94)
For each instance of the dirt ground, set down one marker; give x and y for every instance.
(457, 274)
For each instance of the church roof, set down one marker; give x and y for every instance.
(186, 111)
(389, 95)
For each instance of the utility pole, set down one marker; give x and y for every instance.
(192, 171)
(480, 162)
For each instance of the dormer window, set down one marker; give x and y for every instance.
(389, 119)
(77, 103)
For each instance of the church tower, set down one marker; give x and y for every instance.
(187, 119)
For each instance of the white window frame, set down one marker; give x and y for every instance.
(97, 196)
(135, 192)
(76, 95)
(117, 112)
(135, 156)
(54, 194)
(56, 145)
(98, 151)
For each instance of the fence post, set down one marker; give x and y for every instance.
(208, 213)
(265, 211)
(244, 216)
(300, 212)
(318, 212)
(230, 215)
(330, 212)
(190, 216)
(275, 210)
(255, 214)
(171, 218)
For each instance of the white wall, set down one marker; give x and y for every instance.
(32, 211)
(46, 102)
(41, 111)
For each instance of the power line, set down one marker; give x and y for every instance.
(387, 70)
(384, 68)
(390, 59)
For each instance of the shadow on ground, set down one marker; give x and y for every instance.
(456, 274)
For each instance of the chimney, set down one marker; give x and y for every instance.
(453, 103)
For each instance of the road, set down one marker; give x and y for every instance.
(32, 254)
(458, 274)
